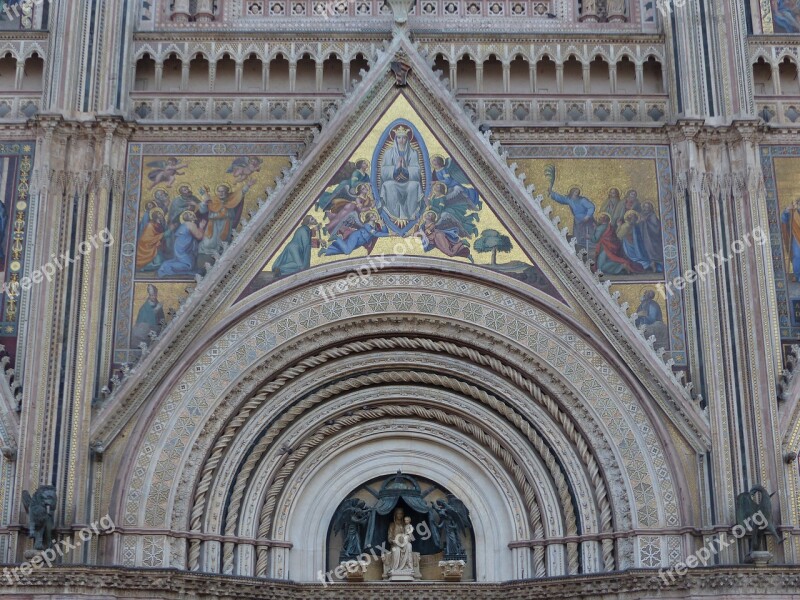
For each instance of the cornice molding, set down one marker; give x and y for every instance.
(170, 584)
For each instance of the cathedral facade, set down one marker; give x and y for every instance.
(399, 299)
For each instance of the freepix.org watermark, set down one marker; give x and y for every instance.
(713, 262)
(47, 558)
(373, 554)
(57, 263)
(712, 548)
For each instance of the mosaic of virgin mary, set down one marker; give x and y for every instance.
(401, 172)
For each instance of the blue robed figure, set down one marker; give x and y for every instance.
(365, 236)
(448, 172)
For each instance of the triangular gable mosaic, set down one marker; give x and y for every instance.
(401, 193)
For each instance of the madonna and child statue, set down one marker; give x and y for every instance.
(401, 527)
(401, 563)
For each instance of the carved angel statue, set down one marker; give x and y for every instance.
(616, 7)
(589, 7)
(40, 507)
(351, 517)
(754, 513)
(453, 521)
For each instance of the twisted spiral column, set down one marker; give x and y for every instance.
(544, 400)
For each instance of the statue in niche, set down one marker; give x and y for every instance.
(588, 7)
(400, 534)
(351, 518)
(401, 527)
(453, 521)
(754, 515)
(401, 563)
(615, 9)
(41, 508)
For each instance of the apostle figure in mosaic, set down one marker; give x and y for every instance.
(224, 211)
(150, 318)
(649, 315)
(150, 247)
(582, 209)
(401, 191)
(649, 226)
(296, 256)
(614, 206)
(790, 221)
(610, 255)
(187, 238)
(629, 234)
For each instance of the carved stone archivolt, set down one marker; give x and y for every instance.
(293, 382)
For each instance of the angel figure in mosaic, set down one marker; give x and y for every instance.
(340, 209)
(243, 167)
(350, 177)
(165, 171)
(444, 232)
(365, 236)
(448, 172)
(457, 204)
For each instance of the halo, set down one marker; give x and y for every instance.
(188, 215)
(365, 215)
(439, 184)
(163, 189)
(222, 184)
(155, 211)
(630, 212)
(431, 212)
(603, 214)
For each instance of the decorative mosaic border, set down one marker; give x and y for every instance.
(130, 214)
(17, 200)
(672, 266)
